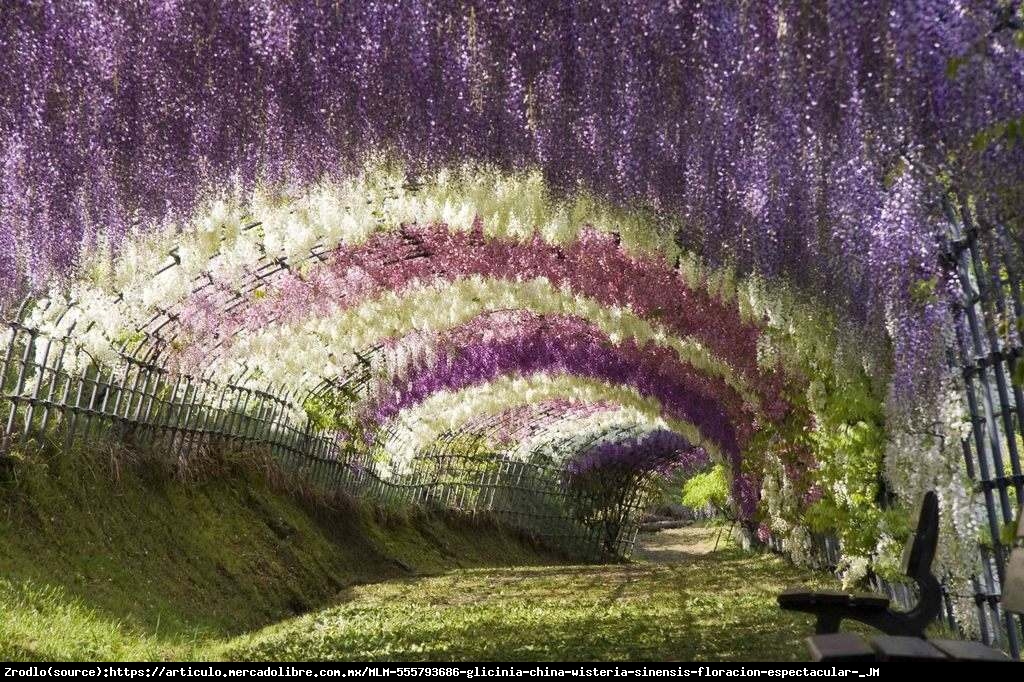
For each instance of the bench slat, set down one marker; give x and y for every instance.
(962, 650)
(840, 647)
(900, 648)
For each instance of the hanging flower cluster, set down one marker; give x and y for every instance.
(230, 240)
(563, 441)
(593, 266)
(926, 453)
(531, 344)
(450, 411)
(710, 222)
(326, 342)
(414, 363)
(518, 424)
(659, 451)
(772, 119)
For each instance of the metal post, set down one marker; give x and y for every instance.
(19, 385)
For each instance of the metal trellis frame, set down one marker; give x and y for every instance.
(988, 312)
(147, 406)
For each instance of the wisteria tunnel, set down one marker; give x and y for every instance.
(529, 260)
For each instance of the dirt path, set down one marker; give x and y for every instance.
(679, 545)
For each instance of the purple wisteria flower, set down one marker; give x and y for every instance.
(773, 130)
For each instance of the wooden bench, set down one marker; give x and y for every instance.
(833, 607)
(847, 647)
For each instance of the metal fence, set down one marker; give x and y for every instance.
(44, 397)
(985, 262)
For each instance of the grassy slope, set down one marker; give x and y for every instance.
(718, 606)
(150, 568)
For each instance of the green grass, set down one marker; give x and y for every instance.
(229, 566)
(713, 607)
(148, 567)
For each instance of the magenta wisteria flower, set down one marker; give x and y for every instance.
(518, 342)
(592, 266)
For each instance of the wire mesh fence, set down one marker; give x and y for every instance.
(47, 393)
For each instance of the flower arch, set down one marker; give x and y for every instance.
(786, 188)
(404, 307)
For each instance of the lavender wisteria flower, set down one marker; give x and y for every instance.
(587, 358)
(798, 148)
(628, 456)
(125, 114)
(657, 450)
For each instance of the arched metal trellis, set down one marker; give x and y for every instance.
(146, 406)
(151, 406)
(160, 327)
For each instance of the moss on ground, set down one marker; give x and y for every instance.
(148, 567)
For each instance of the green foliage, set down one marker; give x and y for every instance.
(859, 527)
(708, 488)
(894, 173)
(849, 447)
(1009, 132)
(953, 65)
(841, 457)
(321, 413)
(332, 410)
(129, 339)
(467, 445)
(850, 459)
(1018, 374)
(1008, 533)
(923, 291)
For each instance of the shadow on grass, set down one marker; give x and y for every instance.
(149, 567)
(713, 607)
